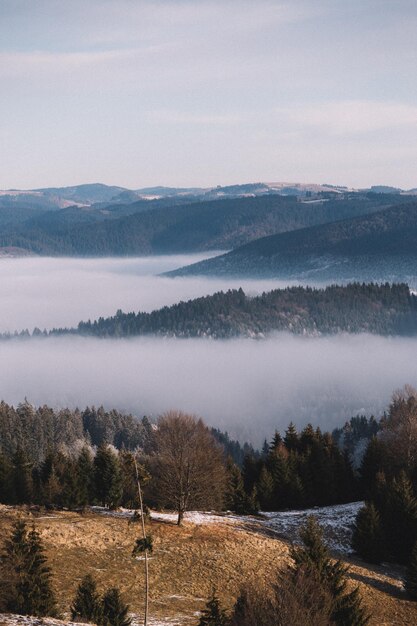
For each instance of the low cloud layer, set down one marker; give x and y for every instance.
(50, 293)
(247, 387)
(244, 386)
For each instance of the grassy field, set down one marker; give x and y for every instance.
(186, 565)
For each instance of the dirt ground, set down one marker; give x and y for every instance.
(187, 563)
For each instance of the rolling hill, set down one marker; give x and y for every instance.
(377, 246)
(354, 308)
(188, 562)
(167, 225)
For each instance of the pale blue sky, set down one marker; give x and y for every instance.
(205, 92)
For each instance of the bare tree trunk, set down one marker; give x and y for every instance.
(142, 517)
(180, 517)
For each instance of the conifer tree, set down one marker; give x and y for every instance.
(400, 518)
(22, 486)
(213, 614)
(85, 473)
(265, 449)
(72, 496)
(107, 477)
(410, 583)
(367, 537)
(265, 489)
(128, 478)
(114, 610)
(313, 558)
(278, 466)
(308, 438)
(87, 604)
(235, 497)
(291, 440)
(276, 441)
(293, 491)
(25, 564)
(370, 466)
(5, 495)
(52, 489)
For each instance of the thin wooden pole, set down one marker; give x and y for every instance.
(142, 517)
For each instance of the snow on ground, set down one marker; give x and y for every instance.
(11, 619)
(336, 521)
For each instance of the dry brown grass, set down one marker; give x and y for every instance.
(187, 563)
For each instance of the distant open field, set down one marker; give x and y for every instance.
(186, 565)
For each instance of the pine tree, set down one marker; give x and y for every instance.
(235, 497)
(278, 466)
(308, 437)
(367, 537)
(410, 583)
(265, 489)
(5, 494)
(128, 478)
(107, 477)
(313, 558)
(276, 442)
(293, 491)
(213, 614)
(400, 518)
(87, 603)
(22, 486)
(371, 464)
(72, 496)
(291, 440)
(114, 610)
(85, 474)
(24, 561)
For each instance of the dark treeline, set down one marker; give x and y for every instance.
(381, 309)
(386, 528)
(39, 431)
(384, 309)
(73, 459)
(298, 471)
(354, 437)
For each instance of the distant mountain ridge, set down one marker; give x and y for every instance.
(98, 193)
(368, 247)
(176, 225)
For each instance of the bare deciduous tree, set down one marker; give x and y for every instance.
(400, 426)
(188, 467)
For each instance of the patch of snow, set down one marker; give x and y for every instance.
(336, 521)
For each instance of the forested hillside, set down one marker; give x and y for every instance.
(381, 309)
(168, 225)
(46, 454)
(368, 247)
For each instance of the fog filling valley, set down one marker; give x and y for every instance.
(248, 387)
(55, 292)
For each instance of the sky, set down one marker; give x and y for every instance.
(205, 92)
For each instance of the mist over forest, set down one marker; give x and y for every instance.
(244, 386)
(51, 292)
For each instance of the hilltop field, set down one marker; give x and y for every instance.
(207, 552)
